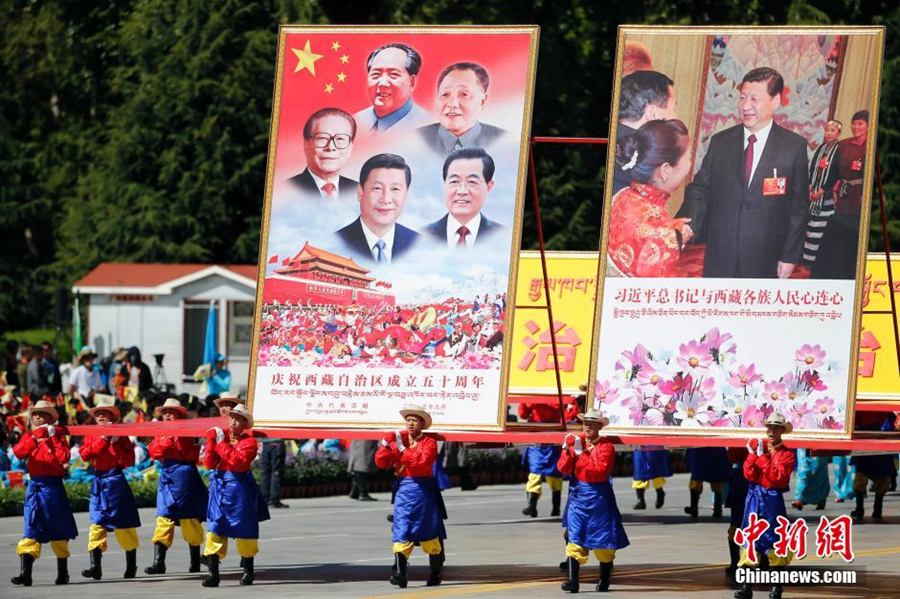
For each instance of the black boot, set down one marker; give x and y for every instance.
(398, 577)
(436, 563)
(159, 560)
(571, 585)
(557, 500)
(249, 574)
(660, 498)
(195, 558)
(212, 580)
(354, 487)
(531, 508)
(641, 504)
(734, 551)
(130, 564)
(717, 504)
(605, 577)
(777, 589)
(96, 569)
(27, 564)
(62, 571)
(876, 509)
(820, 506)
(692, 511)
(745, 592)
(860, 511)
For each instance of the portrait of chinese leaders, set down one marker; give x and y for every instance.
(395, 175)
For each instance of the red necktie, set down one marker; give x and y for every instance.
(329, 188)
(748, 158)
(463, 231)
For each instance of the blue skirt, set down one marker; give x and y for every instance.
(48, 514)
(542, 460)
(592, 517)
(709, 464)
(236, 505)
(651, 463)
(767, 504)
(181, 493)
(737, 495)
(874, 466)
(812, 478)
(843, 477)
(419, 511)
(112, 502)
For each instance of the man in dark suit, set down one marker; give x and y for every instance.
(461, 97)
(644, 96)
(327, 142)
(376, 236)
(750, 198)
(468, 179)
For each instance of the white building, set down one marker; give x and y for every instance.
(163, 310)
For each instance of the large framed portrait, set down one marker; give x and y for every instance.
(735, 228)
(391, 229)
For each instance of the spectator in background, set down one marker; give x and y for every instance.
(82, 382)
(12, 374)
(26, 354)
(138, 373)
(360, 463)
(271, 471)
(220, 380)
(38, 384)
(51, 369)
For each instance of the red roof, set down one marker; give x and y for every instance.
(118, 274)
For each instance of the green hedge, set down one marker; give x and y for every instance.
(12, 500)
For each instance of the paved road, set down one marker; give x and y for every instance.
(335, 547)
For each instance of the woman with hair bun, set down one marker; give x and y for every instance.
(644, 241)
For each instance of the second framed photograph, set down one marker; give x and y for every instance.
(736, 216)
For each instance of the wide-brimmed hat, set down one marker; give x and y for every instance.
(244, 412)
(777, 419)
(44, 407)
(106, 403)
(582, 388)
(228, 398)
(594, 415)
(419, 411)
(86, 353)
(120, 354)
(171, 404)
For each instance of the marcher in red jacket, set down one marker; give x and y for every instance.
(48, 514)
(112, 504)
(182, 498)
(419, 511)
(592, 518)
(768, 470)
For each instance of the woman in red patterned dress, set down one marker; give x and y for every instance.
(644, 241)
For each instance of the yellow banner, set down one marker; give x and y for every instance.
(878, 377)
(572, 296)
(572, 278)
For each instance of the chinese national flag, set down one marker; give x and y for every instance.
(286, 262)
(273, 259)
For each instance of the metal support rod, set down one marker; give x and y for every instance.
(540, 231)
